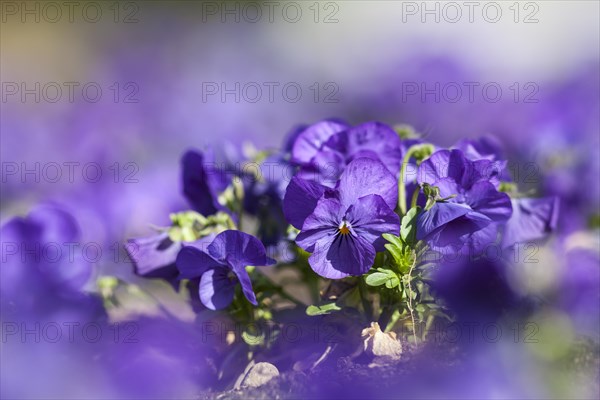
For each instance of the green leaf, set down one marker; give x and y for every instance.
(396, 252)
(395, 247)
(408, 229)
(322, 310)
(393, 239)
(377, 278)
(393, 282)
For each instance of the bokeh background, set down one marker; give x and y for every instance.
(163, 69)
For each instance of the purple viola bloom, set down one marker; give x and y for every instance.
(469, 221)
(308, 142)
(154, 256)
(324, 149)
(486, 147)
(532, 219)
(222, 264)
(203, 182)
(342, 227)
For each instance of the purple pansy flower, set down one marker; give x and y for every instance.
(323, 150)
(154, 256)
(532, 219)
(222, 263)
(486, 147)
(309, 142)
(469, 221)
(203, 182)
(342, 227)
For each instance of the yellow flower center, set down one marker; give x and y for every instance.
(344, 229)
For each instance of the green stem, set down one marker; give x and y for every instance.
(415, 197)
(410, 307)
(401, 183)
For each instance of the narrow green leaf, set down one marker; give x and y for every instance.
(322, 310)
(408, 229)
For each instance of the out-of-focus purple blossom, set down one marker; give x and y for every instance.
(36, 259)
(222, 264)
(467, 222)
(324, 149)
(154, 256)
(475, 291)
(157, 358)
(532, 219)
(578, 290)
(487, 147)
(343, 227)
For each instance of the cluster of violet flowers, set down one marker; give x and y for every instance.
(375, 205)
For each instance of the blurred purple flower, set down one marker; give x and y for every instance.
(154, 256)
(36, 259)
(223, 262)
(203, 182)
(532, 219)
(323, 150)
(579, 289)
(343, 227)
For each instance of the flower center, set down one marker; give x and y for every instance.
(344, 228)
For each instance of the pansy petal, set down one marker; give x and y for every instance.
(448, 187)
(343, 256)
(246, 284)
(456, 236)
(309, 141)
(373, 137)
(239, 249)
(322, 223)
(479, 240)
(484, 198)
(439, 215)
(192, 262)
(532, 219)
(365, 176)
(370, 217)
(325, 167)
(216, 289)
(434, 168)
(301, 197)
(486, 147)
(195, 183)
(154, 256)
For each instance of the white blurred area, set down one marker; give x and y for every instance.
(354, 52)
